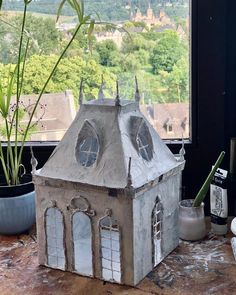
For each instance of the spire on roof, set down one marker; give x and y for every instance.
(100, 92)
(117, 100)
(137, 94)
(81, 94)
(182, 151)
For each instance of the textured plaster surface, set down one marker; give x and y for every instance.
(168, 193)
(204, 267)
(111, 125)
(63, 178)
(63, 193)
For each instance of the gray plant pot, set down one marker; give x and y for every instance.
(17, 214)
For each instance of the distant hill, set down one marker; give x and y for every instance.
(114, 10)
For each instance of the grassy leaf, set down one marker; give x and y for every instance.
(203, 191)
(90, 32)
(60, 9)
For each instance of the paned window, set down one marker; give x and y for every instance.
(110, 250)
(144, 142)
(156, 233)
(55, 238)
(88, 151)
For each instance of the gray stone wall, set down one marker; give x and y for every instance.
(63, 192)
(168, 192)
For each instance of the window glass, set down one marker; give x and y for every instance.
(82, 240)
(156, 233)
(55, 238)
(156, 50)
(110, 250)
(144, 142)
(88, 151)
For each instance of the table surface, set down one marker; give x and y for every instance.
(203, 267)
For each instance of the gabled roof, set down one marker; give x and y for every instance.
(115, 127)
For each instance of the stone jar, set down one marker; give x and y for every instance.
(192, 226)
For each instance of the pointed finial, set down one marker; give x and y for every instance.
(129, 178)
(33, 161)
(117, 94)
(81, 94)
(137, 94)
(100, 92)
(182, 151)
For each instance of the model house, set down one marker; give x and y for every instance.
(107, 198)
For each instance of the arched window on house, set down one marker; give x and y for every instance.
(82, 243)
(156, 232)
(110, 250)
(55, 238)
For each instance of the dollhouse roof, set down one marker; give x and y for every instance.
(97, 148)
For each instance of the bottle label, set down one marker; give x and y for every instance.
(219, 204)
(219, 201)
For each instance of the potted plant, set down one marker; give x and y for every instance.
(17, 199)
(192, 225)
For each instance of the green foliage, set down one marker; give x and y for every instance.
(11, 161)
(67, 76)
(108, 52)
(108, 10)
(135, 42)
(203, 191)
(130, 63)
(167, 52)
(176, 82)
(44, 37)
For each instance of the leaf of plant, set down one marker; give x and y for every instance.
(1, 4)
(90, 32)
(78, 8)
(2, 103)
(10, 90)
(98, 16)
(60, 9)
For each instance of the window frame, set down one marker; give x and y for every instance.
(212, 61)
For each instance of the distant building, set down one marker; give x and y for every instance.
(116, 36)
(150, 19)
(171, 120)
(161, 29)
(53, 116)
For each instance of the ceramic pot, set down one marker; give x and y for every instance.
(17, 208)
(192, 226)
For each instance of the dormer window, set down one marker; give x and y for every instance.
(88, 151)
(87, 147)
(169, 128)
(141, 138)
(168, 125)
